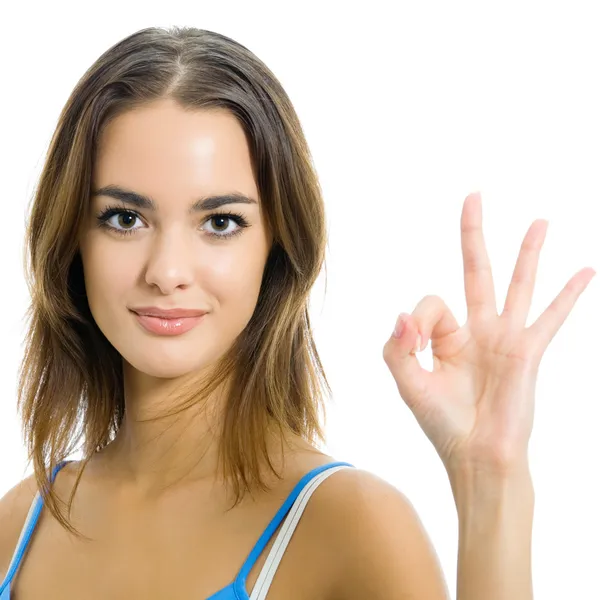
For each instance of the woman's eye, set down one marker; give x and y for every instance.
(220, 223)
(119, 221)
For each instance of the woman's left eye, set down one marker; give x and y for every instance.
(105, 217)
(238, 219)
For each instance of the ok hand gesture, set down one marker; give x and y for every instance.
(477, 404)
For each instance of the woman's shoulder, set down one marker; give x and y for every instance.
(380, 543)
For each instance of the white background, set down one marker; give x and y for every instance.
(407, 108)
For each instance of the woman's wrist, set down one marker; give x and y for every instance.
(470, 477)
(495, 517)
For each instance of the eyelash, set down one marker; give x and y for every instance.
(111, 211)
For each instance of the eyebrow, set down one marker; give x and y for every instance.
(146, 202)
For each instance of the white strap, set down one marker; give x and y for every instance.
(267, 573)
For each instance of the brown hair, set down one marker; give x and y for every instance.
(71, 380)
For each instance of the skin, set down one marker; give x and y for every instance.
(171, 260)
(477, 405)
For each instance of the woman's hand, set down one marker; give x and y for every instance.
(477, 405)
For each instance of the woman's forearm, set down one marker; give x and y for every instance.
(495, 516)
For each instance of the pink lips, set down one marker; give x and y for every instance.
(169, 326)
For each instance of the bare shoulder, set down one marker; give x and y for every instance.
(14, 506)
(381, 545)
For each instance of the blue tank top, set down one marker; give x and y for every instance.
(293, 507)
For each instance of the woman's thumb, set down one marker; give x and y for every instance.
(399, 355)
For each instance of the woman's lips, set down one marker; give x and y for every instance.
(162, 326)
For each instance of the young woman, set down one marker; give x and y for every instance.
(174, 239)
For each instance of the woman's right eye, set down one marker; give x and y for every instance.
(125, 219)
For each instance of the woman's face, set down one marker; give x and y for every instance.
(168, 255)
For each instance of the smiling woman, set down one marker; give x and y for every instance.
(174, 239)
(172, 253)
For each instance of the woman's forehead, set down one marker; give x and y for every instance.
(162, 149)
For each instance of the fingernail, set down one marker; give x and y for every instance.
(399, 327)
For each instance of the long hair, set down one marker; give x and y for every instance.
(71, 377)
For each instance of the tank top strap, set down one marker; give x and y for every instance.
(296, 501)
(30, 522)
